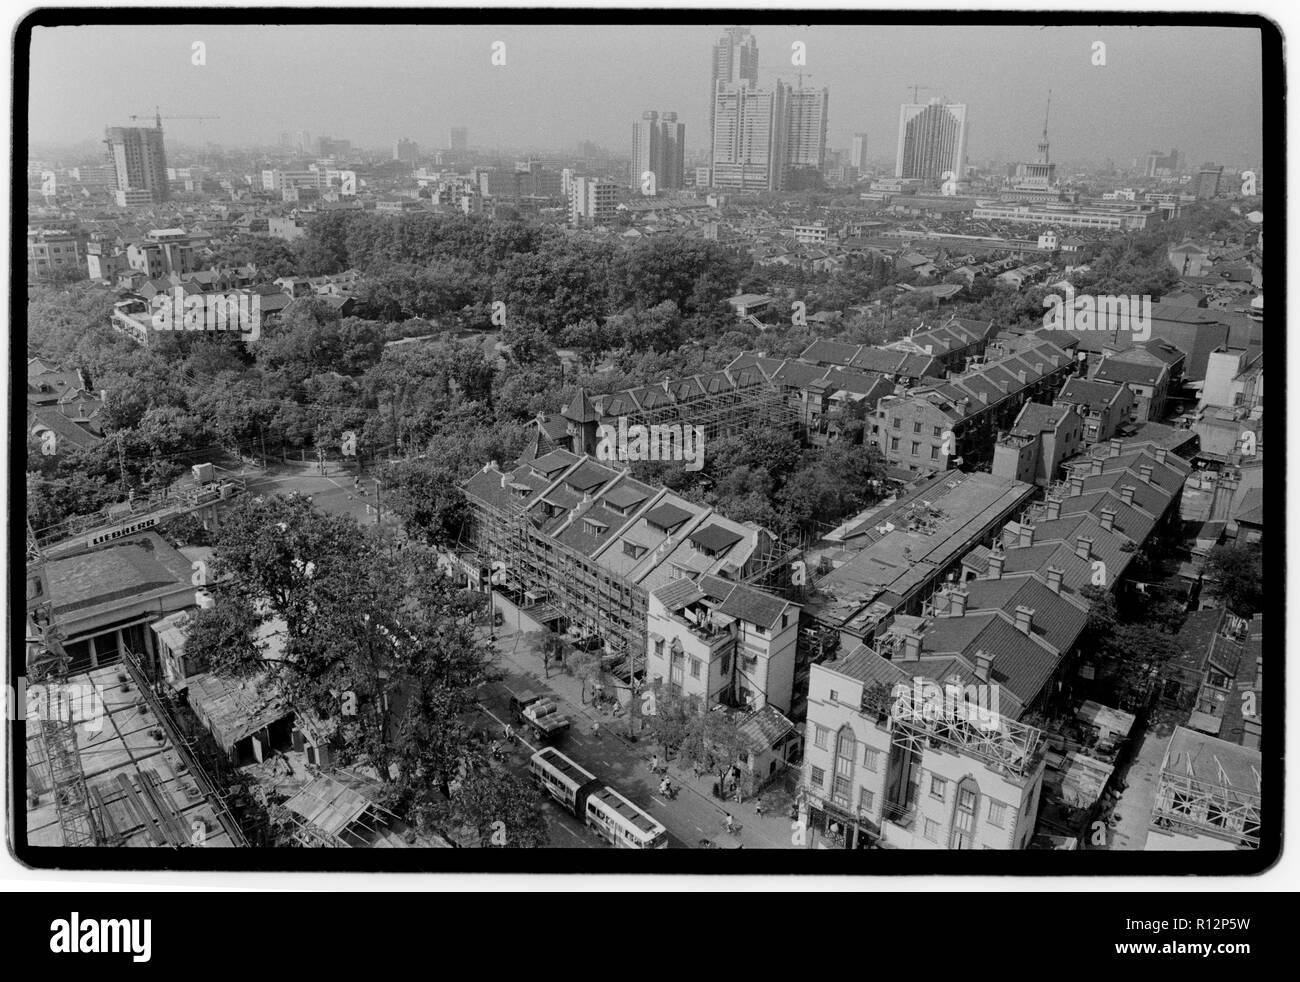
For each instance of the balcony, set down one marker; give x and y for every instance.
(904, 816)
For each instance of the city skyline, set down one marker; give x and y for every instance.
(1152, 74)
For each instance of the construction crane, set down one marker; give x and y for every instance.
(917, 88)
(159, 117)
(785, 70)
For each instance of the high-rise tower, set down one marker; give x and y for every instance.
(139, 162)
(931, 141)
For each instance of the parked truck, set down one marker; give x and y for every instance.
(541, 714)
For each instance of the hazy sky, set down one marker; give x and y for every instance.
(1197, 89)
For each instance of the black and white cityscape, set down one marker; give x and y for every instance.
(457, 436)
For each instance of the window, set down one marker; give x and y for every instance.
(916, 449)
(997, 813)
(695, 668)
(938, 431)
(835, 696)
(866, 800)
(916, 426)
(818, 777)
(897, 422)
(934, 453)
(938, 787)
(821, 737)
(659, 647)
(871, 758)
(893, 443)
(840, 789)
(932, 830)
(633, 550)
(726, 664)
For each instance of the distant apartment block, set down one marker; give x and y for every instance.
(592, 200)
(139, 163)
(53, 252)
(658, 150)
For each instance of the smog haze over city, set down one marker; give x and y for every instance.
(559, 85)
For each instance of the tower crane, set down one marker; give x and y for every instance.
(159, 117)
(784, 70)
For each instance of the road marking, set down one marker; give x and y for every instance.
(664, 803)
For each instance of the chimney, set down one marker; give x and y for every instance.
(957, 602)
(1024, 620)
(1116, 446)
(1053, 509)
(996, 561)
(1161, 454)
(911, 646)
(1096, 466)
(1076, 485)
(1145, 473)
(983, 665)
(1108, 520)
(1126, 494)
(1083, 547)
(1054, 576)
(1026, 535)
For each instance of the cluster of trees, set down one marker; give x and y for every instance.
(380, 647)
(711, 742)
(764, 474)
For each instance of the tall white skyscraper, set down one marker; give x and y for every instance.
(749, 136)
(858, 156)
(931, 141)
(735, 60)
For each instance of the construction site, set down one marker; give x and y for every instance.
(577, 546)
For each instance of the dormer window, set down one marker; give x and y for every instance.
(633, 550)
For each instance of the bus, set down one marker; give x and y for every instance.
(619, 822)
(623, 823)
(562, 779)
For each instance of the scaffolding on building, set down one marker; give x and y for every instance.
(588, 596)
(1012, 748)
(720, 404)
(1186, 803)
(71, 800)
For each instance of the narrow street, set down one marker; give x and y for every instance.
(598, 742)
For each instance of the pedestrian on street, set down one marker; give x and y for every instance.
(758, 807)
(654, 764)
(595, 728)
